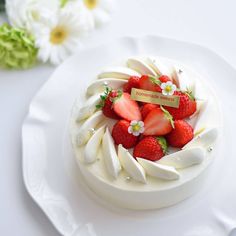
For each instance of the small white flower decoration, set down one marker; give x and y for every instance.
(168, 88)
(136, 127)
(100, 10)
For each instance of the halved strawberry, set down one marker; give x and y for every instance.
(158, 122)
(152, 83)
(127, 108)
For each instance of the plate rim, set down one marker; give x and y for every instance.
(52, 76)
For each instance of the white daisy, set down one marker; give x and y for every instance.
(100, 10)
(136, 127)
(25, 13)
(59, 34)
(168, 88)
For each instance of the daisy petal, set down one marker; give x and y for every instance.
(100, 17)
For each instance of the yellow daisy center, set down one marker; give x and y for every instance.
(168, 88)
(58, 35)
(136, 127)
(91, 4)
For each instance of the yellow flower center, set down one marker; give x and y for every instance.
(91, 4)
(168, 88)
(58, 35)
(136, 127)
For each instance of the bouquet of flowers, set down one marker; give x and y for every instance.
(47, 30)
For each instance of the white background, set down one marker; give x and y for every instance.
(210, 23)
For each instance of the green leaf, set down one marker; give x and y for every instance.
(168, 116)
(155, 80)
(189, 93)
(162, 141)
(2, 5)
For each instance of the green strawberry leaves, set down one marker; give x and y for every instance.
(103, 97)
(154, 80)
(168, 116)
(162, 141)
(189, 93)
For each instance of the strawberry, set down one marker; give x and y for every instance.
(151, 148)
(133, 82)
(187, 106)
(121, 135)
(181, 134)
(106, 103)
(147, 108)
(158, 122)
(127, 108)
(152, 83)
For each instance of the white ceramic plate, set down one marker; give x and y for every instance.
(53, 180)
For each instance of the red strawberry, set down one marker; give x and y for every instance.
(127, 108)
(121, 135)
(158, 122)
(152, 83)
(181, 134)
(151, 148)
(164, 78)
(147, 108)
(187, 106)
(107, 104)
(133, 82)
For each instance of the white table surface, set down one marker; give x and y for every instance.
(209, 23)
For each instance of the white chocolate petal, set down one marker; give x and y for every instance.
(184, 158)
(84, 132)
(206, 118)
(158, 66)
(141, 66)
(159, 171)
(91, 148)
(89, 107)
(98, 86)
(184, 81)
(110, 156)
(204, 139)
(131, 166)
(118, 73)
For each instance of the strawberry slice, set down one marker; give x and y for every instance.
(152, 83)
(158, 122)
(126, 108)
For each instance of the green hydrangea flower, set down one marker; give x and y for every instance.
(17, 49)
(2, 5)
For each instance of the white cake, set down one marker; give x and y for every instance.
(112, 172)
